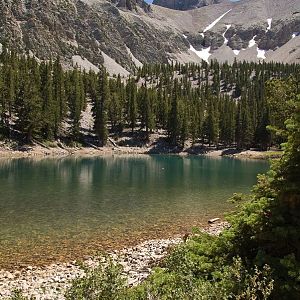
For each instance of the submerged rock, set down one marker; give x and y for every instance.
(51, 282)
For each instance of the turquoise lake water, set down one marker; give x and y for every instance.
(60, 209)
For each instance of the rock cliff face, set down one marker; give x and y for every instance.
(69, 28)
(122, 34)
(132, 5)
(184, 4)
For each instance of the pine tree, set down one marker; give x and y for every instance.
(263, 135)
(227, 121)
(132, 103)
(245, 129)
(212, 123)
(173, 124)
(48, 106)
(100, 109)
(184, 123)
(75, 99)
(29, 102)
(8, 91)
(147, 111)
(115, 111)
(59, 97)
(163, 106)
(2, 99)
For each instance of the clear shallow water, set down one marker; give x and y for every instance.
(58, 209)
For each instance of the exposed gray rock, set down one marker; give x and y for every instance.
(127, 31)
(185, 4)
(69, 28)
(133, 4)
(51, 282)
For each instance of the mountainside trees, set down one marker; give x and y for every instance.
(216, 104)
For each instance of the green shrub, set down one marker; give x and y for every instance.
(105, 282)
(231, 282)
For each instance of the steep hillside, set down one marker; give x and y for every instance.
(94, 30)
(250, 29)
(123, 34)
(185, 4)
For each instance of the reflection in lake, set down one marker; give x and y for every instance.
(64, 208)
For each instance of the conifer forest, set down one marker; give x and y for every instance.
(214, 104)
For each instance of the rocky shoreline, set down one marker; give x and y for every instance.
(38, 151)
(51, 282)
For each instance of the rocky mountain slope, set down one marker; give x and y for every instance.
(249, 29)
(185, 4)
(123, 34)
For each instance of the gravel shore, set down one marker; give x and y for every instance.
(51, 282)
(38, 151)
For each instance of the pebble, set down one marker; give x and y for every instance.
(51, 282)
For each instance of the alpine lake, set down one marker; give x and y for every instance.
(61, 209)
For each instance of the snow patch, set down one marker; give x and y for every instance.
(236, 52)
(295, 34)
(261, 54)
(252, 42)
(269, 24)
(184, 36)
(210, 26)
(84, 63)
(202, 34)
(203, 54)
(226, 40)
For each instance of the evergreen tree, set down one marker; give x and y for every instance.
(244, 126)
(147, 111)
(227, 121)
(59, 97)
(29, 102)
(2, 99)
(48, 106)
(115, 111)
(184, 124)
(75, 98)
(100, 109)
(173, 124)
(8, 91)
(212, 123)
(132, 103)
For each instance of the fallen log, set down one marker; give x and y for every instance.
(92, 145)
(41, 144)
(113, 142)
(211, 221)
